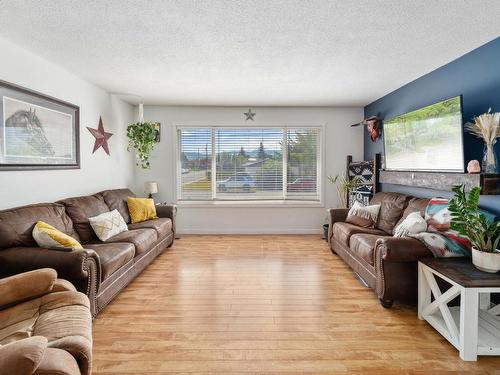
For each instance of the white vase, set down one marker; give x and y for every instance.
(487, 262)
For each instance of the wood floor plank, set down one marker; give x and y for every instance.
(271, 305)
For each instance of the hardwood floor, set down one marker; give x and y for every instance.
(263, 305)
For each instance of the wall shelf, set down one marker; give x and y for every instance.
(490, 183)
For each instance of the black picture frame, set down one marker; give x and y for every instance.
(27, 129)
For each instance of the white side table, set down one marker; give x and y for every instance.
(473, 327)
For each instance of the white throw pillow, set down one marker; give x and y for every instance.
(108, 224)
(363, 216)
(414, 223)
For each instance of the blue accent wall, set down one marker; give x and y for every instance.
(475, 76)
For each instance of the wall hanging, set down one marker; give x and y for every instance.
(373, 126)
(249, 115)
(101, 137)
(37, 131)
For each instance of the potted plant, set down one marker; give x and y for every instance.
(142, 137)
(483, 233)
(344, 186)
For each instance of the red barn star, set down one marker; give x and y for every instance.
(101, 137)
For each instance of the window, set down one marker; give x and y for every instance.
(271, 163)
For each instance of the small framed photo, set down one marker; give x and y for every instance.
(37, 131)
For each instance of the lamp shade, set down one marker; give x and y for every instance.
(150, 187)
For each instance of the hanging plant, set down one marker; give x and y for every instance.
(142, 137)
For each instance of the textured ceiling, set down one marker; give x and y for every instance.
(254, 52)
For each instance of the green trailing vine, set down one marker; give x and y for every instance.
(142, 137)
(466, 219)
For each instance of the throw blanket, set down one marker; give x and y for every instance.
(439, 238)
(442, 241)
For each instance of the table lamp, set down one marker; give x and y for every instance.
(150, 188)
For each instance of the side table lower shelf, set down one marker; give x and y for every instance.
(488, 340)
(473, 327)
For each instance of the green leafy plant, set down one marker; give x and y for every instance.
(344, 186)
(466, 219)
(142, 137)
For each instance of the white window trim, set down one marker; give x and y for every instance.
(247, 203)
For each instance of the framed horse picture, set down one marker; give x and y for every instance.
(37, 131)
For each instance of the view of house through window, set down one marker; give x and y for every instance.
(248, 163)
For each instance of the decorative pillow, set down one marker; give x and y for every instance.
(141, 209)
(108, 224)
(414, 223)
(47, 236)
(363, 216)
(439, 238)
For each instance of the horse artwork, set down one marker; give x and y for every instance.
(27, 126)
(36, 132)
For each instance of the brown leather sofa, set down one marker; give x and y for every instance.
(45, 326)
(100, 270)
(385, 263)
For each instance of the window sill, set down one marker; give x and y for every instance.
(252, 204)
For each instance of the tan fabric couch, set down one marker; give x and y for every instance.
(45, 326)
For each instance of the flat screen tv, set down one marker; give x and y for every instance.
(428, 139)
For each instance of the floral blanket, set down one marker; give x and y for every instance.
(439, 238)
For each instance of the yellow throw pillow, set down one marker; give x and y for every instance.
(141, 209)
(47, 236)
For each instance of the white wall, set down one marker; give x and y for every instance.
(341, 140)
(98, 171)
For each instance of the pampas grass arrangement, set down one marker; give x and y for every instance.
(487, 128)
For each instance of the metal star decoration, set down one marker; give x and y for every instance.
(249, 114)
(101, 137)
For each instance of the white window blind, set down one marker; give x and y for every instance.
(302, 160)
(270, 163)
(195, 158)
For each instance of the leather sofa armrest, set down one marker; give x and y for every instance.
(82, 267)
(22, 357)
(400, 249)
(335, 215)
(26, 286)
(168, 211)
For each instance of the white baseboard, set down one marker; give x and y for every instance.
(247, 231)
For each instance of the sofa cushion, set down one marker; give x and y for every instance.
(414, 205)
(80, 209)
(23, 356)
(58, 361)
(23, 286)
(16, 224)
(142, 239)
(47, 236)
(108, 224)
(363, 216)
(117, 200)
(342, 232)
(141, 209)
(112, 255)
(392, 206)
(363, 245)
(54, 315)
(162, 226)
